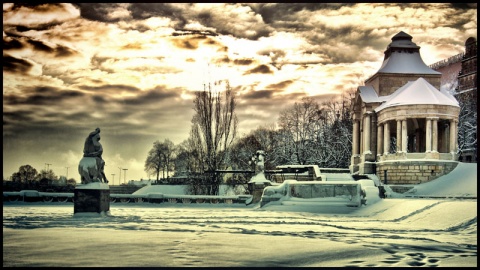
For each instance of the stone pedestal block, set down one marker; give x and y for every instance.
(90, 200)
(256, 189)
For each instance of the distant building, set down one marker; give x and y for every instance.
(404, 124)
(459, 76)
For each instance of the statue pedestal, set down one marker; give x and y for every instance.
(92, 198)
(256, 186)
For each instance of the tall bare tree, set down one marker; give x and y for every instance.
(214, 127)
(160, 158)
(300, 121)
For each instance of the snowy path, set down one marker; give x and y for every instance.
(392, 232)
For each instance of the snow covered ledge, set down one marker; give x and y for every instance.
(92, 199)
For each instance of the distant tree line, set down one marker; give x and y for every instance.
(27, 177)
(308, 132)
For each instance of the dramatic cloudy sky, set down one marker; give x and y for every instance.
(132, 69)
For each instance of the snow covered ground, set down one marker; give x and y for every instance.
(392, 232)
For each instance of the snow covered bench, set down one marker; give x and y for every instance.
(348, 193)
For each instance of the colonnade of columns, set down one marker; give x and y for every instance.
(383, 135)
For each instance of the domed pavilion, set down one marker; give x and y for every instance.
(404, 127)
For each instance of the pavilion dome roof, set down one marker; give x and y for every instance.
(403, 56)
(407, 63)
(418, 92)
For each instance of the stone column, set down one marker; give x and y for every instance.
(435, 135)
(356, 137)
(445, 132)
(386, 138)
(453, 136)
(367, 136)
(404, 136)
(428, 140)
(379, 139)
(399, 135)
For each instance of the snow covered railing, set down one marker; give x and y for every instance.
(348, 193)
(459, 197)
(34, 195)
(178, 198)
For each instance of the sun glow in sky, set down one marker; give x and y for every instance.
(131, 69)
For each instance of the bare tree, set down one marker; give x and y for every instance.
(160, 158)
(214, 127)
(168, 156)
(467, 124)
(154, 162)
(300, 121)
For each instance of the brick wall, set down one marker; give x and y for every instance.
(413, 172)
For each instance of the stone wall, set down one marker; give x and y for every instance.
(388, 83)
(413, 172)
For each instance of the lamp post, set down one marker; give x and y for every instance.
(120, 176)
(48, 166)
(67, 172)
(125, 176)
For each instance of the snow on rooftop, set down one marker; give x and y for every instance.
(409, 63)
(369, 95)
(418, 92)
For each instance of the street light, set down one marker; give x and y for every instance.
(125, 176)
(67, 172)
(48, 166)
(120, 176)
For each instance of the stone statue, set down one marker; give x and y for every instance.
(91, 166)
(260, 159)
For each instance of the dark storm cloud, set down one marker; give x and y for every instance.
(10, 117)
(12, 44)
(243, 62)
(40, 46)
(97, 11)
(99, 99)
(209, 18)
(179, 14)
(464, 5)
(280, 85)
(37, 10)
(281, 12)
(111, 89)
(39, 7)
(193, 42)
(255, 95)
(62, 51)
(18, 43)
(139, 11)
(41, 96)
(150, 97)
(262, 69)
(16, 65)
(224, 60)
(185, 44)
(97, 62)
(187, 32)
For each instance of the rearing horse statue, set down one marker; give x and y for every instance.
(91, 165)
